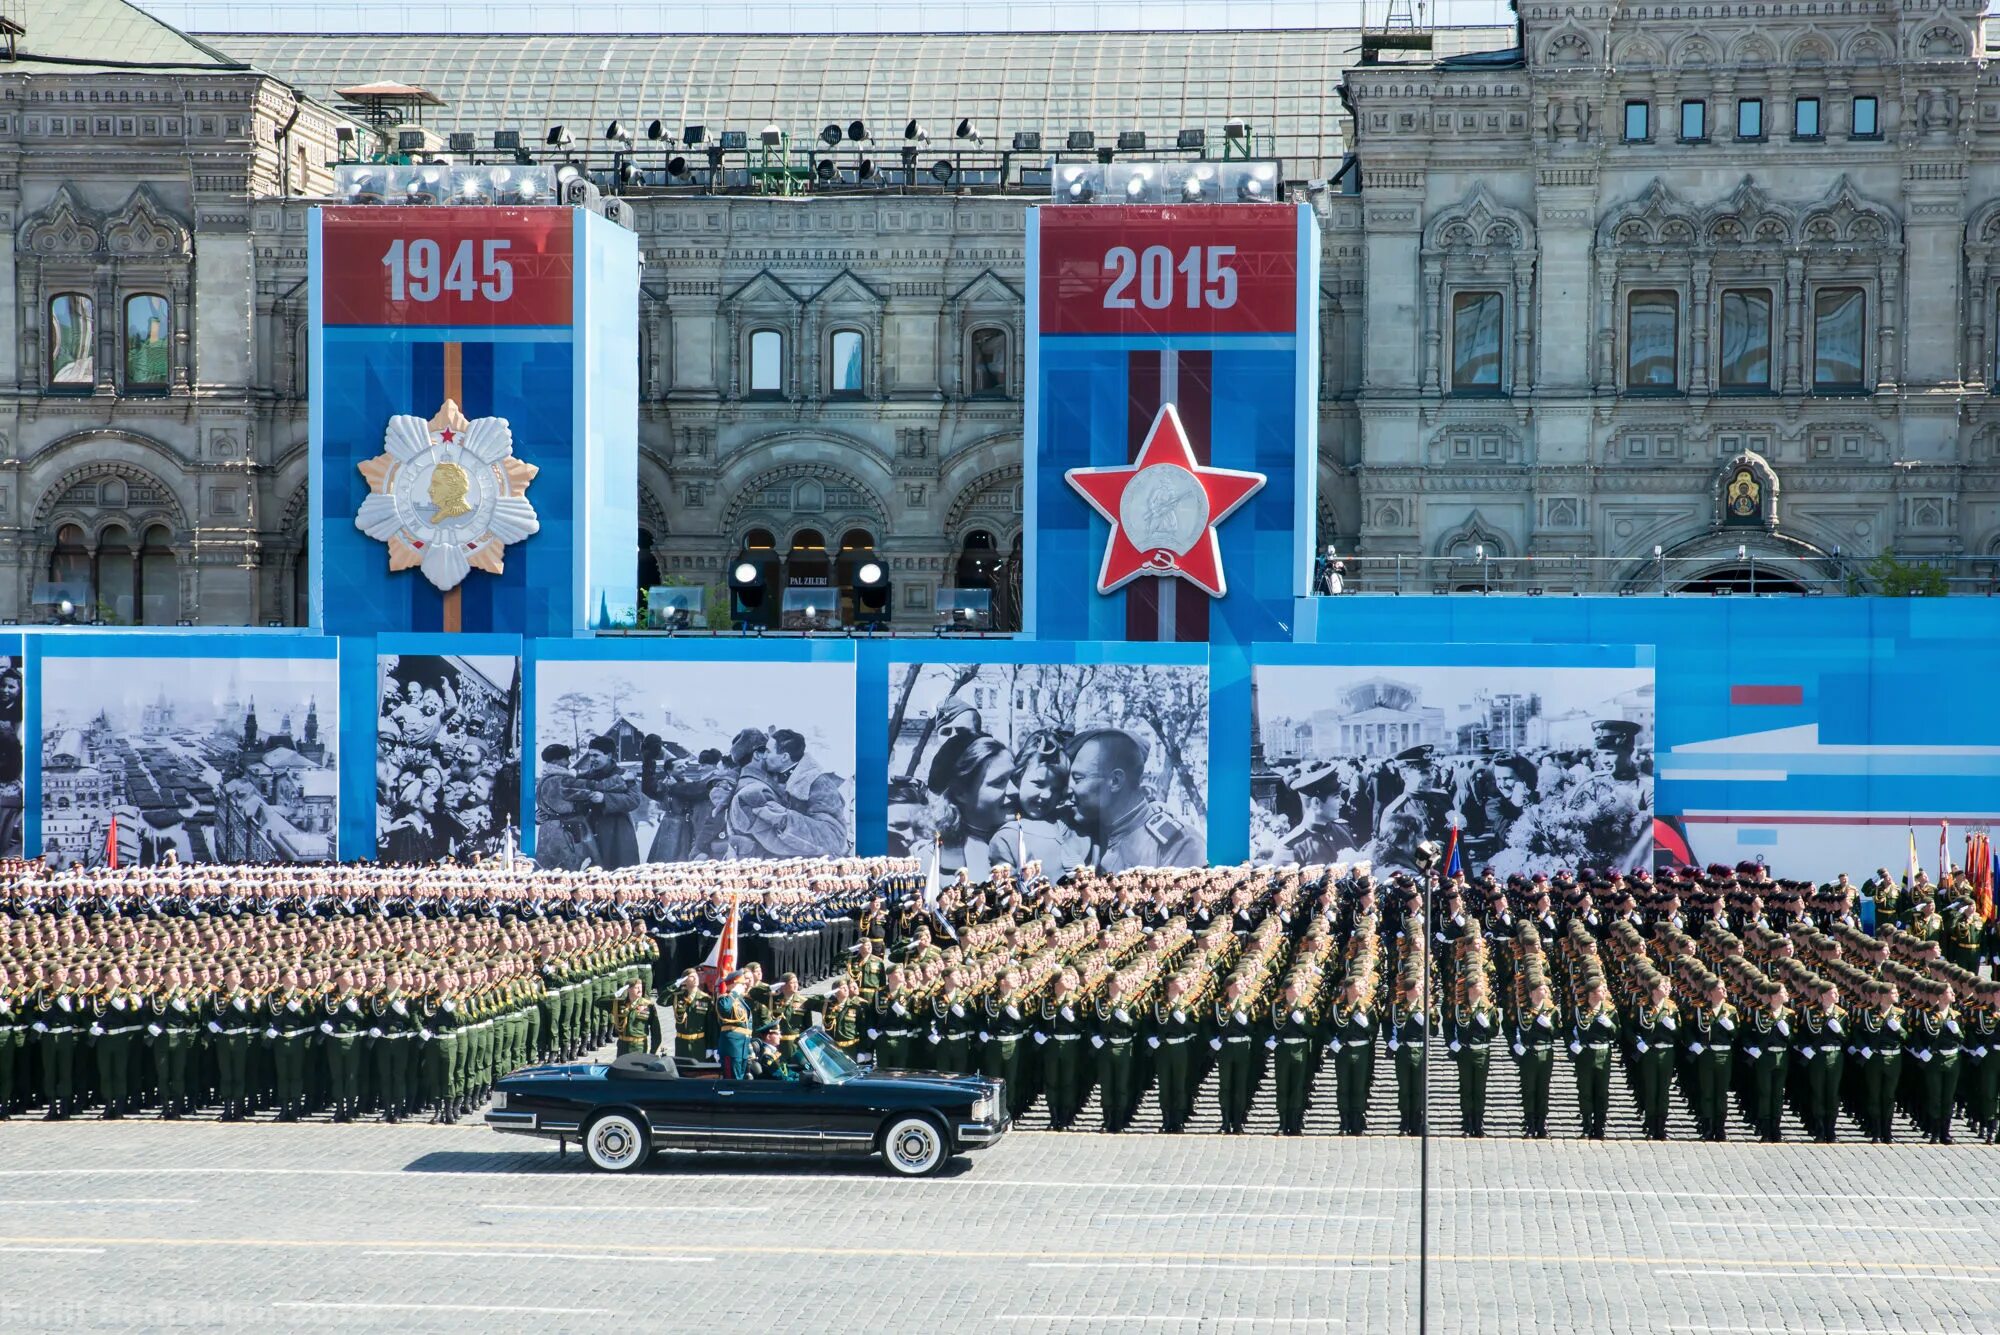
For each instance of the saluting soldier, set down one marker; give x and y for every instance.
(1475, 1023)
(844, 1018)
(1353, 1046)
(1293, 1041)
(1592, 1035)
(634, 1022)
(694, 1020)
(1535, 1038)
(1174, 1029)
(894, 1022)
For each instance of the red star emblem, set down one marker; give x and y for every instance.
(1163, 509)
(447, 436)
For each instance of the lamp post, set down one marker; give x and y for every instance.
(1660, 555)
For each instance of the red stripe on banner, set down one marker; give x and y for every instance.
(1197, 401)
(1767, 695)
(1142, 403)
(1748, 818)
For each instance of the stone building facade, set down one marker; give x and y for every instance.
(1698, 278)
(1695, 278)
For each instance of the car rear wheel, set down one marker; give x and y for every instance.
(616, 1143)
(914, 1147)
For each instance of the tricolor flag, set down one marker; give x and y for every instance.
(1979, 870)
(1451, 863)
(111, 846)
(721, 961)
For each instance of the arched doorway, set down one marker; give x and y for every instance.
(856, 545)
(649, 561)
(1741, 578)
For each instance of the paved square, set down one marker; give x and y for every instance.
(191, 1226)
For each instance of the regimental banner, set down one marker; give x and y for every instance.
(517, 327)
(1172, 420)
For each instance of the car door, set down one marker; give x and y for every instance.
(766, 1110)
(682, 1111)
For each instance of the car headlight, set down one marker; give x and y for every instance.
(499, 1099)
(982, 1108)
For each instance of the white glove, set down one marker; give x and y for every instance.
(427, 1033)
(1041, 1037)
(1951, 1026)
(958, 1010)
(1216, 1043)
(272, 1033)
(1271, 1043)
(153, 1029)
(96, 1030)
(1333, 1046)
(374, 1033)
(1643, 1045)
(1668, 1022)
(1096, 1042)
(1451, 1046)
(1152, 1042)
(1833, 1026)
(1923, 1056)
(326, 1027)
(1520, 1051)
(985, 1037)
(1575, 1048)
(877, 1033)
(1696, 1048)
(1754, 1052)
(1395, 1045)
(1784, 1028)
(1867, 1052)
(39, 1027)
(1068, 1013)
(1807, 1053)
(214, 1028)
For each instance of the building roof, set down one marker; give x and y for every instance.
(1279, 82)
(107, 35)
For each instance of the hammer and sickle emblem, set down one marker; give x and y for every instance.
(1160, 559)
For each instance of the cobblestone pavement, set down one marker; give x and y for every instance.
(188, 1226)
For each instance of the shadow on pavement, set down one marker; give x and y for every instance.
(667, 1163)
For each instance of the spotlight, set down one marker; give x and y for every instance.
(1191, 139)
(677, 166)
(830, 135)
(1027, 141)
(616, 133)
(656, 130)
(734, 141)
(559, 137)
(1078, 183)
(915, 133)
(410, 141)
(66, 610)
(627, 175)
(941, 172)
(871, 593)
(506, 141)
(823, 168)
(1236, 130)
(693, 135)
(1131, 141)
(462, 141)
(1082, 141)
(856, 132)
(745, 573)
(965, 130)
(864, 170)
(771, 136)
(746, 592)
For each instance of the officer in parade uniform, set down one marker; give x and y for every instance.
(732, 1022)
(1767, 1040)
(1126, 827)
(634, 1023)
(1655, 1041)
(893, 1025)
(1593, 1033)
(1409, 1037)
(1821, 1048)
(1353, 1046)
(1475, 1023)
(1115, 1031)
(1711, 1046)
(1232, 1035)
(1293, 1041)
(1003, 1033)
(1063, 1027)
(1877, 1042)
(695, 1033)
(844, 1017)
(1535, 1037)
(1171, 1037)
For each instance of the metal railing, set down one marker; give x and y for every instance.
(1752, 575)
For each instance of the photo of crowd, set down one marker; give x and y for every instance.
(1526, 769)
(13, 789)
(692, 761)
(1066, 764)
(447, 756)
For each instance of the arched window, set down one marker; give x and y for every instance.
(856, 546)
(759, 539)
(301, 585)
(649, 561)
(767, 362)
(845, 369)
(987, 375)
(146, 342)
(69, 571)
(160, 582)
(72, 341)
(117, 576)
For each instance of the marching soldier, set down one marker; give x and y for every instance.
(392, 1031)
(1475, 1024)
(1592, 1035)
(1060, 1031)
(115, 1019)
(1232, 1035)
(1981, 1077)
(1117, 1028)
(952, 1025)
(1935, 1041)
(1711, 1047)
(1766, 1043)
(1293, 1042)
(1005, 1029)
(1821, 1040)
(1409, 1033)
(1654, 1041)
(1535, 1037)
(1174, 1029)
(1878, 1042)
(1353, 1046)
(894, 1023)
(59, 1016)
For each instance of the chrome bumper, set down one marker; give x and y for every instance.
(980, 1133)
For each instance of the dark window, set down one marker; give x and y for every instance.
(1750, 118)
(1694, 120)
(989, 361)
(1652, 340)
(1866, 126)
(1746, 339)
(1638, 122)
(1839, 327)
(1805, 118)
(1475, 341)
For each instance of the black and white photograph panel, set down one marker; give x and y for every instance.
(13, 786)
(692, 761)
(1527, 769)
(195, 759)
(447, 756)
(1066, 764)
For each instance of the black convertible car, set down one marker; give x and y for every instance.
(621, 1112)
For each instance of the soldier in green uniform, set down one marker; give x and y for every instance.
(1116, 1028)
(1475, 1023)
(634, 1023)
(438, 1015)
(732, 1021)
(952, 1025)
(844, 1017)
(1126, 827)
(1060, 1030)
(15, 1017)
(1535, 1037)
(1293, 1041)
(1821, 1037)
(761, 998)
(893, 1025)
(340, 1023)
(1935, 1041)
(1231, 1037)
(1409, 1036)
(392, 1030)
(1767, 1043)
(1655, 1039)
(1711, 1045)
(1592, 1035)
(1877, 1042)
(868, 972)
(233, 1026)
(1353, 1046)
(59, 1015)
(170, 1012)
(694, 1020)
(1003, 1033)
(795, 1015)
(117, 1013)
(1980, 1079)
(1170, 1038)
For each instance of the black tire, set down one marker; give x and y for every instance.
(915, 1145)
(617, 1142)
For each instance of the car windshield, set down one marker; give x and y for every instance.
(829, 1065)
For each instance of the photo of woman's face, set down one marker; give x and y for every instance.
(989, 799)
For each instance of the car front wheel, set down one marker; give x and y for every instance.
(616, 1143)
(914, 1147)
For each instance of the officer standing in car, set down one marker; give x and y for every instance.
(732, 1017)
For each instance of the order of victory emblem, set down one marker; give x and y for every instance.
(447, 495)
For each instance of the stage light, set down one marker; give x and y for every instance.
(1082, 141)
(734, 141)
(864, 170)
(771, 136)
(656, 130)
(1236, 130)
(410, 141)
(616, 133)
(627, 175)
(1258, 183)
(506, 141)
(677, 166)
(966, 130)
(693, 135)
(856, 132)
(1196, 139)
(829, 135)
(916, 133)
(559, 137)
(941, 172)
(746, 592)
(1131, 141)
(1078, 183)
(1027, 141)
(462, 141)
(823, 168)
(871, 593)
(745, 573)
